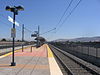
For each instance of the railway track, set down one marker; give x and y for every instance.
(74, 65)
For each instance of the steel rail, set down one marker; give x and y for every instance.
(91, 69)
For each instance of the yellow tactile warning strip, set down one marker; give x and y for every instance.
(29, 66)
(50, 54)
(11, 53)
(54, 68)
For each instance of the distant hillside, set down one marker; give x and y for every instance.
(82, 39)
(62, 40)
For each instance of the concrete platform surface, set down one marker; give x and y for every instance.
(38, 62)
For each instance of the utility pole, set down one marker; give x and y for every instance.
(38, 36)
(22, 37)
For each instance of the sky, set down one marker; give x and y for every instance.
(83, 22)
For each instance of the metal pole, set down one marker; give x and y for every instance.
(31, 48)
(22, 37)
(13, 63)
(38, 33)
(38, 36)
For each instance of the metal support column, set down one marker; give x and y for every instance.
(22, 37)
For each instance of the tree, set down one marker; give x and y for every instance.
(3, 39)
(18, 40)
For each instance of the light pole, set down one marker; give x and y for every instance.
(22, 37)
(13, 30)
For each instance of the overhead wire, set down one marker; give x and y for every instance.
(60, 18)
(28, 30)
(65, 12)
(47, 31)
(6, 24)
(69, 14)
(13, 2)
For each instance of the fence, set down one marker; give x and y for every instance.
(86, 50)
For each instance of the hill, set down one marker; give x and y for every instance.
(81, 39)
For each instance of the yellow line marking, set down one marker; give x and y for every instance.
(54, 68)
(50, 54)
(11, 52)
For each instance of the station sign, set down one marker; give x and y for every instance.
(34, 35)
(11, 20)
(13, 32)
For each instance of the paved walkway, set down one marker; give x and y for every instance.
(36, 62)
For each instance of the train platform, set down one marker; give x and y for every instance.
(32, 61)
